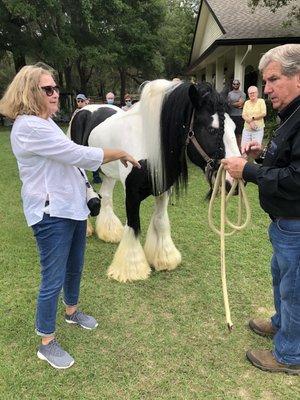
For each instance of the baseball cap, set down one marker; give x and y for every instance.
(81, 96)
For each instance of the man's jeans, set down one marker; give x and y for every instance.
(61, 244)
(285, 238)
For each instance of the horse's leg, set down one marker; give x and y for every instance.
(130, 263)
(108, 226)
(159, 248)
(89, 228)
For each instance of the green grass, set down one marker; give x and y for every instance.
(163, 338)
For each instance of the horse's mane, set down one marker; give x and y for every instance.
(166, 109)
(175, 118)
(151, 102)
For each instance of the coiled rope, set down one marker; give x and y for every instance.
(243, 203)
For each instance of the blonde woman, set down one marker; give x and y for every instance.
(254, 111)
(54, 199)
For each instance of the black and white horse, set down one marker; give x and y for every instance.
(158, 131)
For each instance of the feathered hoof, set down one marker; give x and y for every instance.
(129, 273)
(110, 235)
(162, 253)
(89, 229)
(129, 263)
(167, 262)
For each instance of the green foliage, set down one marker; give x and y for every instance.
(164, 338)
(177, 35)
(93, 43)
(270, 120)
(293, 16)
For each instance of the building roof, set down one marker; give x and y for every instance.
(232, 23)
(238, 22)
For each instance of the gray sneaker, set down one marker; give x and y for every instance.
(81, 319)
(55, 355)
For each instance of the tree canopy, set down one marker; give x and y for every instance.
(98, 45)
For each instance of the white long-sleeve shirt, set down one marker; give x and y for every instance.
(48, 162)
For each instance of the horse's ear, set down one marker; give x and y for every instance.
(194, 96)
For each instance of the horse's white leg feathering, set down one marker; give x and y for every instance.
(89, 228)
(108, 226)
(129, 262)
(159, 248)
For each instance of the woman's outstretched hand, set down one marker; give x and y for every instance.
(116, 154)
(127, 158)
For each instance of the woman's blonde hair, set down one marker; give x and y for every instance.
(24, 96)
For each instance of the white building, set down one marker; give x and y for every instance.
(229, 40)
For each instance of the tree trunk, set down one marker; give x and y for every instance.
(102, 91)
(19, 61)
(68, 79)
(82, 76)
(122, 73)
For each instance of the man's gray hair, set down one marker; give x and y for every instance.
(287, 55)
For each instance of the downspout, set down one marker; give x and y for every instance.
(249, 49)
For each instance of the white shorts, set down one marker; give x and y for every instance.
(257, 135)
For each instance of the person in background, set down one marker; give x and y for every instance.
(236, 99)
(81, 101)
(254, 111)
(278, 180)
(110, 98)
(54, 199)
(128, 102)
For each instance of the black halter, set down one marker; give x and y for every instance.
(191, 138)
(211, 163)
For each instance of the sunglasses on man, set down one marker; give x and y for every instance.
(49, 90)
(80, 101)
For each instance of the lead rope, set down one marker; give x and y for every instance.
(224, 220)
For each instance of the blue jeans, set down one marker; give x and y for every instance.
(285, 238)
(61, 245)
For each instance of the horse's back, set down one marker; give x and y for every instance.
(86, 119)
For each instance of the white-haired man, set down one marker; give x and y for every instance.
(278, 180)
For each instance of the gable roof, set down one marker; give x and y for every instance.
(232, 22)
(238, 21)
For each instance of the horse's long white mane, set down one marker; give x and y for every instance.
(150, 107)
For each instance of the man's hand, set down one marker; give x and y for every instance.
(234, 166)
(252, 149)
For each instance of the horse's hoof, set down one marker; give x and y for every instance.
(89, 229)
(111, 236)
(108, 227)
(167, 263)
(129, 274)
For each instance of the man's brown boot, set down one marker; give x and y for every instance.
(265, 360)
(262, 327)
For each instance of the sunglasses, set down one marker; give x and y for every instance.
(49, 90)
(80, 101)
